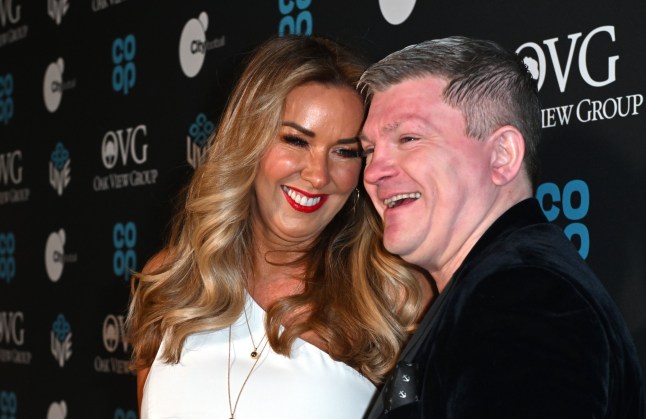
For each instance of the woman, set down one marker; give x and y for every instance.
(275, 297)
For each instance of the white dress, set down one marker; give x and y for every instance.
(308, 385)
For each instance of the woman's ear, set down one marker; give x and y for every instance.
(507, 153)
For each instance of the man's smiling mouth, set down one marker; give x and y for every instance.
(398, 199)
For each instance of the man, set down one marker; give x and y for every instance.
(521, 327)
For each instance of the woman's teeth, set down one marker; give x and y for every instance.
(300, 199)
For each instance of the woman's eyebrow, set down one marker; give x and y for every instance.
(299, 128)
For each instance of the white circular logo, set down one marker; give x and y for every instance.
(396, 11)
(53, 85)
(109, 150)
(54, 252)
(57, 410)
(532, 67)
(110, 333)
(192, 45)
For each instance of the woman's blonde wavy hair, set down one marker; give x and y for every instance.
(361, 300)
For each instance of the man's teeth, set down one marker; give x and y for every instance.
(392, 201)
(300, 199)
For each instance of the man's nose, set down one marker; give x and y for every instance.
(379, 165)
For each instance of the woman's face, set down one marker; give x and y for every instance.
(313, 165)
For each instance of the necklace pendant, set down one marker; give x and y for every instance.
(254, 354)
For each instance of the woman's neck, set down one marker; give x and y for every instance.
(275, 274)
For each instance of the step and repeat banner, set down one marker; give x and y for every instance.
(106, 106)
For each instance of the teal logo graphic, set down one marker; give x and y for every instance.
(124, 414)
(124, 74)
(8, 405)
(7, 258)
(124, 238)
(198, 135)
(297, 19)
(6, 98)
(59, 168)
(61, 340)
(573, 203)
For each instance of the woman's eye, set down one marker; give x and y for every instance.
(296, 141)
(348, 153)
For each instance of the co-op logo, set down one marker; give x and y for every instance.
(6, 98)
(396, 11)
(193, 44)
(124, 239)
(573, 203)
(7, 256)
(297, 19)
(124, 73)
(537, 64)
(8, 405)
(53, 85)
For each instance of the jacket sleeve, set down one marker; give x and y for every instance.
(526, 344)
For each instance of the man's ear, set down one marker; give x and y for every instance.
(507, 152)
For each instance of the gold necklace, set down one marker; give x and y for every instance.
(254, 353)
(232, 409)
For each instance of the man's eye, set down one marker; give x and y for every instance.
(408, 139)
(294, 140)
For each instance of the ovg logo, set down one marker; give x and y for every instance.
(56, 9)
(57, 410)
(61, 340)
(115, 145)
(59, 168)
(7, 258)
(6, 98)
(538, 65)
(10, 169)
(124, 238)
(8, 13)
(396, 11)
(193, 45)
(8, 405)
(198, 135)
(297, 19)
(11, 327)
(124, 74)
(114, 333)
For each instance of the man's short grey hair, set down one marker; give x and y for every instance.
(490, 85)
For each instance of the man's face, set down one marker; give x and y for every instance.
(429, 181)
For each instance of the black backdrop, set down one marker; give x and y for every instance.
(105, 106)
